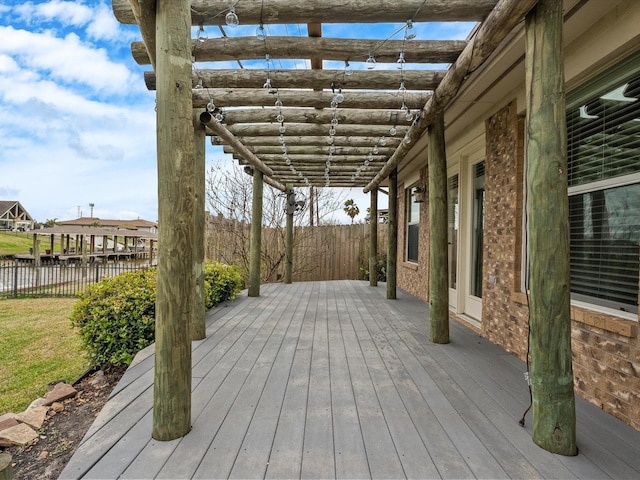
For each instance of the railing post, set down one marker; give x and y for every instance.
(15, 278)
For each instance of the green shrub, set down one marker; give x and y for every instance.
(221, 283)
(116, 316)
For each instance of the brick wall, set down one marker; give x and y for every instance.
(606, 349)
(411, 277)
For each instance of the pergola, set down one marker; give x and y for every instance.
(343, 128)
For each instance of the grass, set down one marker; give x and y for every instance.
(37, 347)
(15, 242)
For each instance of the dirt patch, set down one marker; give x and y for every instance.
(61, 433)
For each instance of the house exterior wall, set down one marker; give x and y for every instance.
(412, 277)
(606, 346)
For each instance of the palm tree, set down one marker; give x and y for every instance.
(351, 209)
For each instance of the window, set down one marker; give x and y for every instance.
(603, 127)
(453, 215)
(413, 224)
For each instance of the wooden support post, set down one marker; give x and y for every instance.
(256, 235)
(373, 239)
(392, 235)
(288, 238)
(554, 416)
(438, 264)
(198, 326)
(174, 302)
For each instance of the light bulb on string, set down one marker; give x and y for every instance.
(404, 107)
(334, 103)
(366, 163)
(280, 118)
(202, 35)
(199, 85)
(282, 129)
(339, 97)
(334, 122)
(330, 140)
(260, 33)
(211, 106)
(281, 140)
(219, 116)
(284, 148)
(231, 18)
(267, 84)
(332, 131)
(408, 116)
(348, 71)
(383, 141)
(393, 131)
(371, 61)
(278, 103)
(375, 150)
(407, 138)
(402, 90)
(410, 31)
(332, 149)
(401, 61)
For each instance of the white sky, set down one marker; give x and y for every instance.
(77, 125)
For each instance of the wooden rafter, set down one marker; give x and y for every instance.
(314, 79)
(251, 12)
(314, 115)
(225, 49)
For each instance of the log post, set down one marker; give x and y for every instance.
(174, 302)
(256, 235)
(373, 239)
(288, 238)
(438, 264)
(392, 235)
(198, 326)
(554, 416)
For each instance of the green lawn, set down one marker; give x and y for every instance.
(15, 242)
(37, 346)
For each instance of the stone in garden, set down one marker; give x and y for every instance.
(38, 402)
(19, 435)
(59, 392)
(43, 454)
(33, 417)
(6, 416)
(57, 407)
(8, 423)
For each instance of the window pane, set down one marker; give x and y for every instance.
(605, 227)
(452, 231)
(413, 220)
(478, 229)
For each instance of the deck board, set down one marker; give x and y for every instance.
(331, 380)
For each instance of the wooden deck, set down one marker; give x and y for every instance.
(331, 380)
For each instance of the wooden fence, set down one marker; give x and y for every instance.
(328, 252)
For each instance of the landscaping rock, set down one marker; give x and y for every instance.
(57, 407)
(8, 423)
(7, 416)
(19, 435)
(60, 391)
(98, 379)
(33, 417)
(38, 402)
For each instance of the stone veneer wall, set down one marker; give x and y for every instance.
(606, 349)
(411, 277)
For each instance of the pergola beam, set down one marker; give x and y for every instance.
(252, 12)
(321, 159)
(319, 116)
(304, 129)
(314, 79)
(259, 97)
(228, 49)
(338, 141)
(314, 150)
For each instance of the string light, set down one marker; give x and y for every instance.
(371, 61)
(202, 35)
(231, 18)
(401, 60)
(260, 33)
(348, 71)
(410, 31)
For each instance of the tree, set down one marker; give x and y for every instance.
(229, 195)
(351, 209)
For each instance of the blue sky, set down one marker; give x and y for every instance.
(77, 125)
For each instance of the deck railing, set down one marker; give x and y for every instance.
(24, 279)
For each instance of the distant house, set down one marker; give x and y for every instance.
(138, 224)
(13, 216)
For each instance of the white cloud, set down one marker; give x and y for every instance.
(104, 25)
(67, 13)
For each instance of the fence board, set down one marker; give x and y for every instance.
(320, 253)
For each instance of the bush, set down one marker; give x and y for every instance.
(221, 283)
(116, 316)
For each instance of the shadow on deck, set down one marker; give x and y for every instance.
(330, 379)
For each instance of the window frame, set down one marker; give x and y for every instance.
(410, 194)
